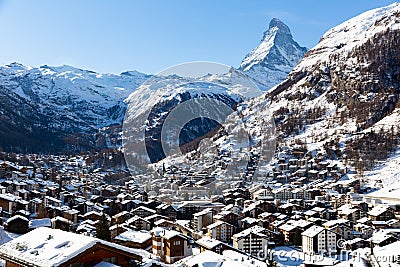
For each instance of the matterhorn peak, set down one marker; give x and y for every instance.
(277, 23)
(276, 55)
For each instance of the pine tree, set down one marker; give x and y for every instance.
(103, 229)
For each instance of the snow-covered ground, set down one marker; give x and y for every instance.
(289, 256)
(388, 176)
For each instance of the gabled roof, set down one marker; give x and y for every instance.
(378, 210)
(134, 236)
(17, 217)
(313, 231)
(257, 230)
(216, 224)
(53, 247)
(167, 234)
(208, 242)
(144, 208)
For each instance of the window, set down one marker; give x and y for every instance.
(177, 243)
(111, 260)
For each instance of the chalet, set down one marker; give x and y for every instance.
(120, 217)
(263, 194)
(17, 224)
(202, 219)
(138, 223)
(381, 213)
(253, 210)
(61, 223)
(171, 246)
(235, 208)
(8, 203)
(188, 208)
(229, 217)
(167, 210)
(51, 247)
(155, 217)
(393, 223)
(349, 213)
(143, 211)
(379, 224)
(342, 227)
(208, 243)
(381, 238)
(164, 223)
(71, 215)
(365, 231)
(220, 230)
(356, 243)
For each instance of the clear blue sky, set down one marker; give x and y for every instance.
(149, 35)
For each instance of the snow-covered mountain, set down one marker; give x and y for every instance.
(41, 107)
(342, 98)
(171, 114)
(276, 55)
(343, 88)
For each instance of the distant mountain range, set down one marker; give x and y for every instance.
(61, 109)
(51, 109)
(341, 96)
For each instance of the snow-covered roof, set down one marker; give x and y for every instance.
(382, 235)
(347, 209)
(52, 247)
(299, 223)
(378, 210)
(333, 223)
(258, 230)
(45, 222)
(313, 231)
(216, 224)
(203, 212)
(167, 234)
(287, 227)
(9, 197)
(208, 242)
(229, 258)
(134, 236)
(17, 217)
(144, 208)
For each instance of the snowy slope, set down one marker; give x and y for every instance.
(352, 33)
(39, 107)
(169, 114)
(276, 55)
(387, 177)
